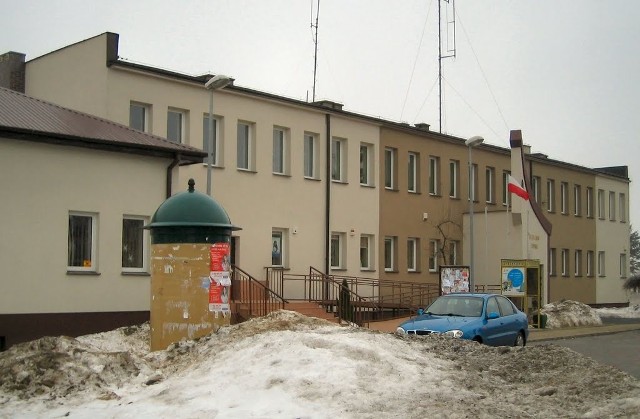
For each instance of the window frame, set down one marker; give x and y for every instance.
(564, 262)
(146, 115)
(366, 166)
(412, 172)
(181, 129)
(248, 141)
(551, 195)
(454, 178)
(506, 196)
(93, 247)
(368, 251)
(434, 175)
(577, 262)
(601, 263)
(279, 236)
(434, 248)
(281, 150)
(589, 202)
(339, 239)
(412, 254)
(622, 202)
(623, 265)
(590, 261)
(311, 163)
(490, 183)
(217, 141)
(535, 185)
(612, 206)
(145, 245)
(564, 199)
(339, 158)
(390, 253)
(577, 200)
(552, 262)
(601, 207)
(390, 168)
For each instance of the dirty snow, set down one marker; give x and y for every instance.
(568, 313)
(286, 365)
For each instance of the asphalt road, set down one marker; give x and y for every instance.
(618, 349)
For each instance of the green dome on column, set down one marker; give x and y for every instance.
(190, 217)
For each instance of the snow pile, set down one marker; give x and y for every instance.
(568, 313)
(631, 312)
(286, 365)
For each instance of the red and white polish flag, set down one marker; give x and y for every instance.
(514, 187)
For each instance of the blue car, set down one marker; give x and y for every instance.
(486, 318)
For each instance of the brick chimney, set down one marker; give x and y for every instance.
(12, 69)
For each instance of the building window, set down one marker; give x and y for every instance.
(564, 262)
(278, 247)
(612, 206)
(412, 175)
(454, 175)
(433, 255)
(389, 254)
(390, 168)
(623, 208)
(245, 149)
(490, 183)
(563, 197)
(338, 159)
(366, 252)
(311, 156)
(434, 175)
(601, 270)
(139, 116)
(412, 254)
(176, 125)
(623, 265)
(506, 196)
(82, 242)
(453, 252)
(207, 140)
(536, 188)
(337, 251)
(577, 261)
(601, 204)
(589, 202)
(551, 193)
(552, 262)
(589, 262)
(134, 244)
(366, 164)
(474, 182)
(280, 151)
(577, 198)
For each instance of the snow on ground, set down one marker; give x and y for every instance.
(568, 313)
(631, 312)
(286, 365)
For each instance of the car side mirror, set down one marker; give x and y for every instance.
(493, 315)
(420, 311)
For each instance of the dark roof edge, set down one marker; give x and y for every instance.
(192, 156)
(617, 171)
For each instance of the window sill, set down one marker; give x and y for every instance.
(367, 270)
(214, 166)
(413, 272)
(391, 271)
(246, 170)
(123, 273)
(312, 178)
(435, 195)
(340, 182)
(386, 188)
(87, 273)
(365, 185)
(281, 174)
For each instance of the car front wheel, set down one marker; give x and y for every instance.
(519, 340)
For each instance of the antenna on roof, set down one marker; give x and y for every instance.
(315, 41)
(450, 30)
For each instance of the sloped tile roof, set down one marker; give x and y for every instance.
(29, 118)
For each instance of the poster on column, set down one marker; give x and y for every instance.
(220, 278)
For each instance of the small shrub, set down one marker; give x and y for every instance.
(632, 283)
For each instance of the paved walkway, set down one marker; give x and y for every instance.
(535, 334)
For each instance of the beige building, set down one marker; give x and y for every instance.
(312, 185)
(76, 192)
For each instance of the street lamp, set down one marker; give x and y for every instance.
(470, 143)
(216, 82)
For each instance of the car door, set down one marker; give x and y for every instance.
(510, 324)
(494, 329)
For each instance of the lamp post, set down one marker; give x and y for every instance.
(470, 143)
(216, 82)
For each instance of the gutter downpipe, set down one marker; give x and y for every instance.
(327, 244)
(174, 163)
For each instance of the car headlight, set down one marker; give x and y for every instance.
(401, 331)
(454, 333)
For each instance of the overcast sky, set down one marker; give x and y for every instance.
(566, 73)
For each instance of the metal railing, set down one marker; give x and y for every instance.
(253, 298)
(356, 299)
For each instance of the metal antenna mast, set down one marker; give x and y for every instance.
(451, 48)
(315, 55)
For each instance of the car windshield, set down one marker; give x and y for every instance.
(456, 306)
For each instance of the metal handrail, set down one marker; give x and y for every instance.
(258, 298)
